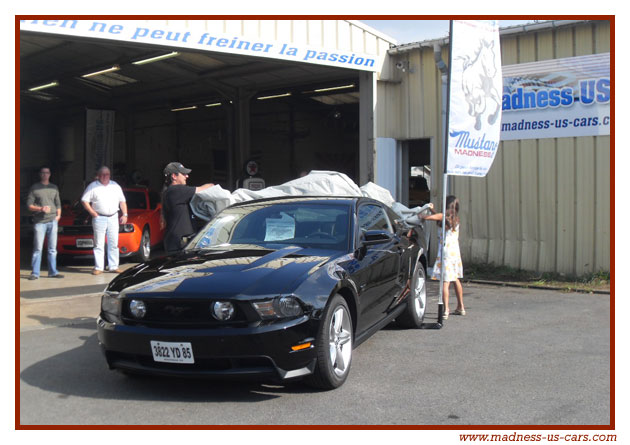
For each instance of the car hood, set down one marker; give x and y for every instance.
(231, 272)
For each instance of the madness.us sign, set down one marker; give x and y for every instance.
(475, 97)
(557, 98)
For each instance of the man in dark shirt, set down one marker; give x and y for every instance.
(175, 206)
(43, 200)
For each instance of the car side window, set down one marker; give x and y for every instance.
(393, 219)
(154, 199)
(373, 217)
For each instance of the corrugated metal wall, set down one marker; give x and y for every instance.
(545, 204)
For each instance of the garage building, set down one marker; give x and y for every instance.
(298, 95)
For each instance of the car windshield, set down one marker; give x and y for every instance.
(315, 225)
(136, 200)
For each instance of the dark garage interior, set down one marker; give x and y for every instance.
(213, 112)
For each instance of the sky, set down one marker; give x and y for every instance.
(408, 31)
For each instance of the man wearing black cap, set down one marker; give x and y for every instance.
(175, 206)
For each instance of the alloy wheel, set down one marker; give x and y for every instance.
(340, 341)
(145, 245)
(420, 292)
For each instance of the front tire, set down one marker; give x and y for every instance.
(413, 315)
(334, 347)
(144, 253)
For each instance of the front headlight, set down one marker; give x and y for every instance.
(289, 307)
(279, 307)
(111, 303)
(125, 228)
(59, 229)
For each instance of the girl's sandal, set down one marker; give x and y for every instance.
(459, 312)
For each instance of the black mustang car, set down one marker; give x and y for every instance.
(282, 288)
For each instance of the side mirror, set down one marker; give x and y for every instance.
(373, 237)
(399, 227)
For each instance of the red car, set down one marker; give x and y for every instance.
(141, 232)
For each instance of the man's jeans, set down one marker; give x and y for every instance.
(41, 231)
(105, 225)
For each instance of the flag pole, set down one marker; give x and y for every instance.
(441, 308)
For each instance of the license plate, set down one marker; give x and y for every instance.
(170, 352)
(85, 243)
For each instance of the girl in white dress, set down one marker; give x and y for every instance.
(453, 261)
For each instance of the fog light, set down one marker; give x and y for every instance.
(138, 308)
(223, 310)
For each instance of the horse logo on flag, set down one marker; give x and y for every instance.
(477, 83)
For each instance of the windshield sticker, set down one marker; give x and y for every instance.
(280, 229)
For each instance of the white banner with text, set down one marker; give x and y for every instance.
(196, 37)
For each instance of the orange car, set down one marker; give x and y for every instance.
(141, 232)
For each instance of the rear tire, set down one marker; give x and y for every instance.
(413, 315)
(334, 347)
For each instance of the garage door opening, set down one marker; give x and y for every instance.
(188, 107)
(416, 172)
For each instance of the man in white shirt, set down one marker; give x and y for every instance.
(101, 199)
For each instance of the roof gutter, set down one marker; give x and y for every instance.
(518, 29)
(437, 55)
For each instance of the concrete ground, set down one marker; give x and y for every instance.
(521, 356)
(41, 300)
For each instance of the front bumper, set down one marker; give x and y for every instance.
(262, 351)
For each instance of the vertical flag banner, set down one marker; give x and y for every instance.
(474, 127)
(99, 141)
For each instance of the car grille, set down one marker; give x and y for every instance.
(71, 247)
(186, 314)
(210, 365)
(215, 364)
(78, 230)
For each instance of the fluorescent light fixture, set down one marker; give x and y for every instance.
(98, 73)
(321, 90)
(275, 96)
(41, 87)
(156, 58)
(194, 107)
(217, 104)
